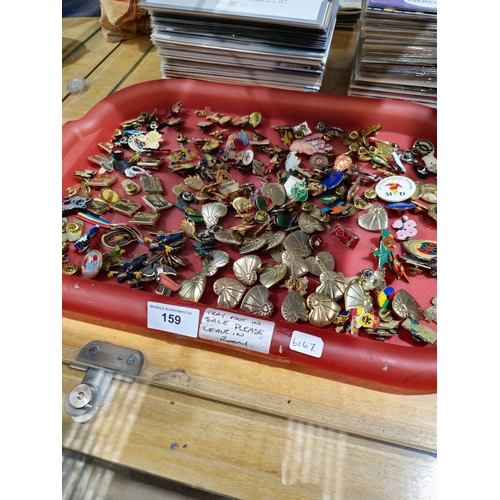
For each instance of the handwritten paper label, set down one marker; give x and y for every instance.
(234, 329)
(173, 319)
(306, 344)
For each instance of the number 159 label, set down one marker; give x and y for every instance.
(306, 344)
(173, 319)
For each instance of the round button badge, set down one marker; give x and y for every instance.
(91, 264)
(395, 188)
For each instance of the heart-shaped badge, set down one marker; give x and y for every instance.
(273, 239)
(256, 301)
(298, 243)
(294, 307)
(245, 269)
(252, 244)
(229, 292)
(270, 275)
(215, 260)
(309, 224)
(275, 192)
(322, 309)
(212, 212)
(296, 265)
(332, 284)
(324, 261)
(375, 219)
(193, 288)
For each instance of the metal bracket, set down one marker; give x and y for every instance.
(102, 362)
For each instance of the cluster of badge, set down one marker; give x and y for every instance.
(303, 190)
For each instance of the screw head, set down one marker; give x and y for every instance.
(93, 350)
(132, 360)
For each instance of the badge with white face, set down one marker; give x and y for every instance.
(395, 188)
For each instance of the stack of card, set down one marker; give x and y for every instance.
(274, 43)
(349, 14)
(397, 54)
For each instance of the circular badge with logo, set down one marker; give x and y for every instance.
(395, 188)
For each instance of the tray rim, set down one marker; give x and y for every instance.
(77, 130)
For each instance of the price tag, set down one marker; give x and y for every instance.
(306, 344)
(234, 329)
(173, 319)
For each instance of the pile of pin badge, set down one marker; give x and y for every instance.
(297, 190)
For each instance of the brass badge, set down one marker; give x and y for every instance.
(192, 289)
(245, 269)
(109, 196)
(98, 206)
(215, 260)
(157, 202)
(130, 187)
(151, 163)
(294, 307)
(269, 275)
(126, 207)
(145, 219)
(256, 301)
(102, 181)
(323, 309)
(151, 184)
(98, 158)
(229, 292)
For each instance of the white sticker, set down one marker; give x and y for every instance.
(234, 329)
(173, 319)
(307, 344)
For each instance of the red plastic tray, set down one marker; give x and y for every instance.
(397, 364)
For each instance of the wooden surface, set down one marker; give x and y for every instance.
(232, 424)
(246, 429)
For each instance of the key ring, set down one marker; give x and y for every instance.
(132, 171)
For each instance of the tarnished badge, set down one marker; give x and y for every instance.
(126, 207)
(145, 218)
(157, 202)
(102, 181)
(98, 206)
(151, 163)
(151, 184)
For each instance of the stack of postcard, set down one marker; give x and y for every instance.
(349, 14)
(274, 43)
(397, 54)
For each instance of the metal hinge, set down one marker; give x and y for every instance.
(102, 362)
